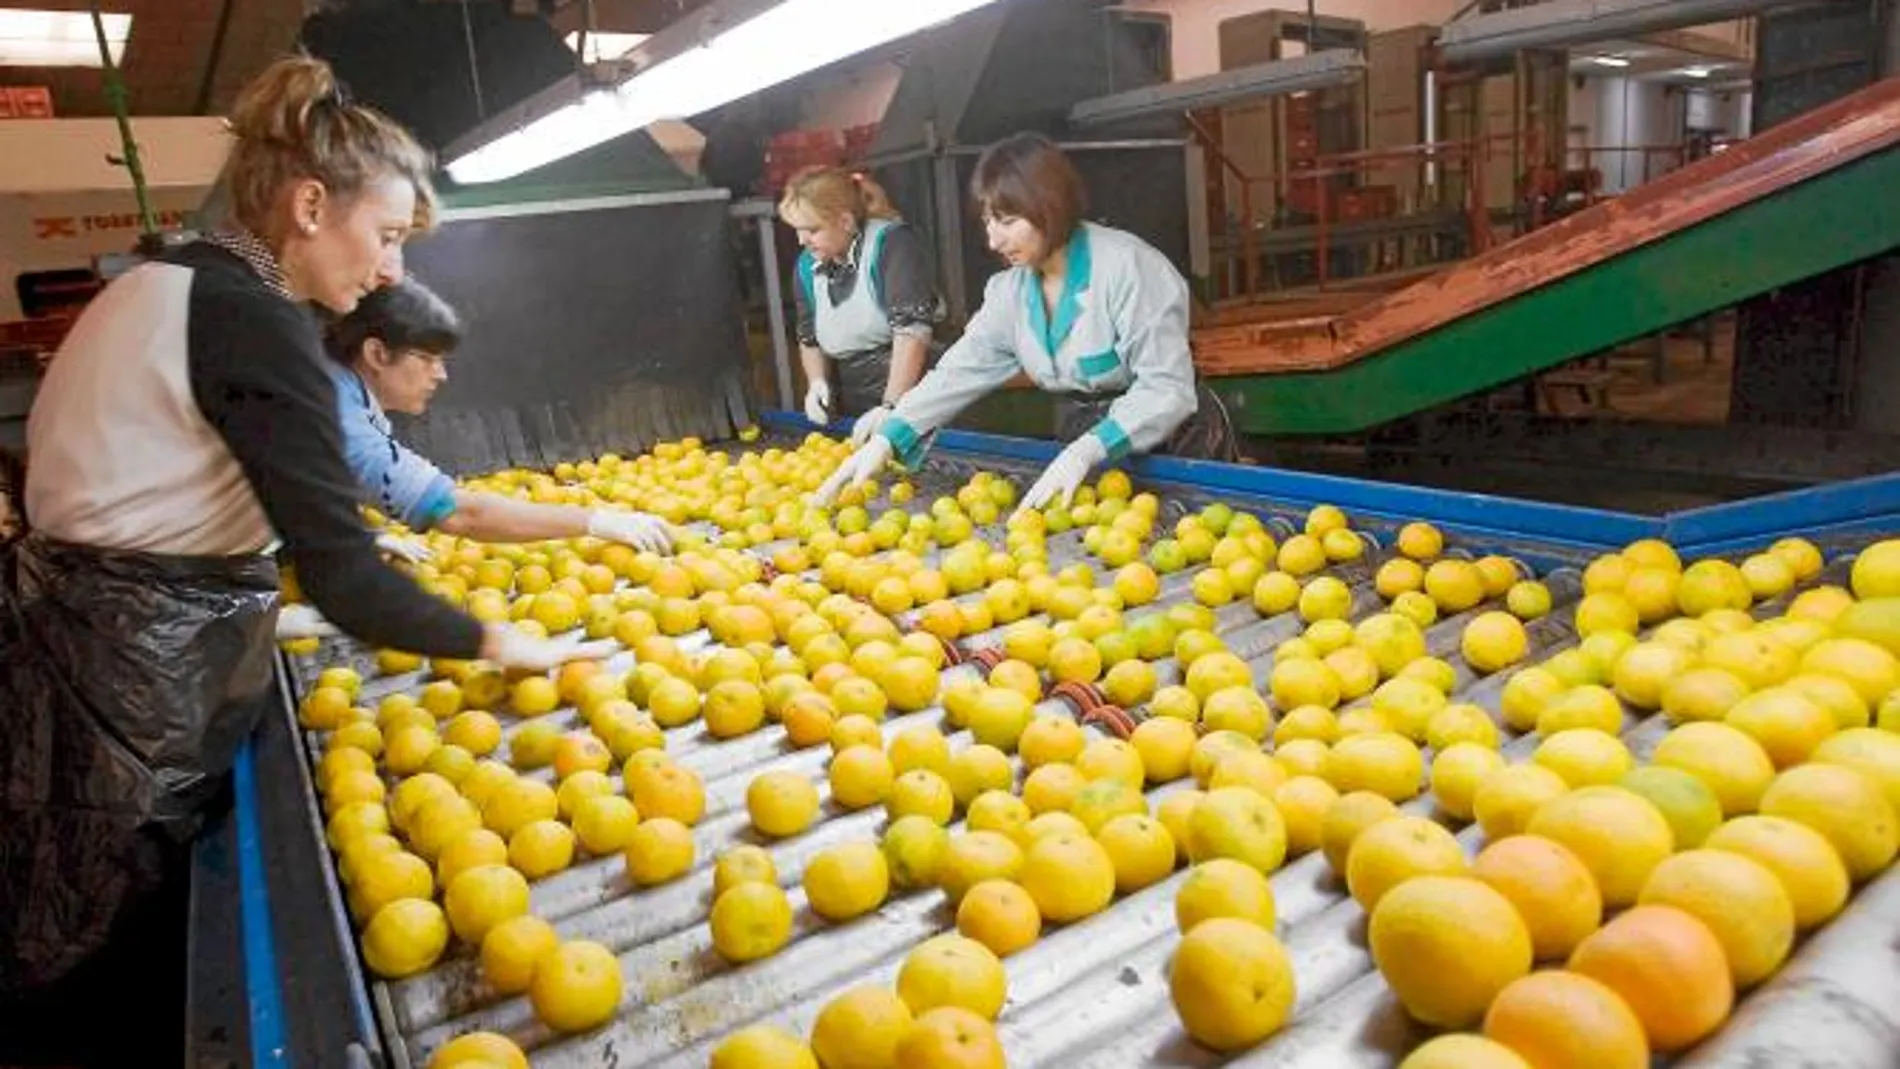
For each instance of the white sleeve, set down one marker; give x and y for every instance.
(1149, 306)
(982, 360)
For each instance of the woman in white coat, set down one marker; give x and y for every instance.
(866, 296)
(1093, 315)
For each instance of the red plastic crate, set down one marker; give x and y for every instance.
(31, 101)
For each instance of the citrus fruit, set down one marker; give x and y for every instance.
(1551, 888)
(1786, 723)
(1702, 693)
(1492, 641)
(659, 850)
(1809, 869)
(541, 848)
(482, 897)
(860, 1029)
(847, 880)
(1741, 902)
(1460, 1051)
(751, 920)
(664, 789)
(949, 1037)
(1000, 915)
(1617, 834)
(1584, 757)
(1303, 802)
(1877, 570)
(914, 849)
(1393, 851)
(950, 970)
(1556, 1019)
(860, 776)
(404, 937)
(1505, 801)
(1728, 761)
(1845, 805)
(1223, 887)
(1381, 762)
(604, 824)
(1690, 807)
(975, 856)
(1068, 876)
(512, 949)
(1446, 946)
(1140, 848)
(1239, 823)
(781, 803)
(576, 987)
(762, 1046)
(1457, 773)
(1231, 983)
(479, 1050)
(1670, 969)
(1526, 694)
(1346, 820)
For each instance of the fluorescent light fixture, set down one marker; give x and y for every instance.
(1696, 72)
(774, 46)
(604, 46)
(1609, 61)
(34, 38)
(1316, 70)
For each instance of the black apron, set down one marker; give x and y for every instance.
(129, 682)
(859, 379)
(1207, 434)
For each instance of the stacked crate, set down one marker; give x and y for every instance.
(26, 102)
(793, 151)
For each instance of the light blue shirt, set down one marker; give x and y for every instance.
(1119, 327)
(395, 479)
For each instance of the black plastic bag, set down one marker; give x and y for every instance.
(130, 681)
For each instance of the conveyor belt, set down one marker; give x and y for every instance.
(1089, 994)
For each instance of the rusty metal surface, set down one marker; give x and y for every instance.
(1822, 140)
(1088, 995)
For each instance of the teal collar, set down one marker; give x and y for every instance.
(1069, 307)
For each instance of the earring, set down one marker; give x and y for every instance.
(309, 228)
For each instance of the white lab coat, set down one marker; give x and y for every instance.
(1121, 327)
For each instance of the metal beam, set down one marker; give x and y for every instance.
(1316, 71)
(1564, 23)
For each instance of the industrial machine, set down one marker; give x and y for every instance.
(276, 975)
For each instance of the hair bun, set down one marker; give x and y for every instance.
(276, 106)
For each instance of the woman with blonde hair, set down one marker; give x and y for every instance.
(186, 428)
(866, 297)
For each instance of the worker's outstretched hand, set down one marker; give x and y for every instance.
(640, 530)
(858, 467)
(404, 549)
(818, 403)
(302, 621)
(869, 424)
(1065, 473)
(514, 649)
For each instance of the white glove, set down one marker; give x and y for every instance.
(818, 403)
(869, 423)
(302, 621)
(1064, 474)
(404, 549)
(637, 529)
(519, 651)
(858, 467)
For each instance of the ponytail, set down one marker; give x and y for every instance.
(833, 192)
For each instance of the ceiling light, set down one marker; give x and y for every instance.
(1696, 72)
(605, 46)
(1610, 61)
(32, 38)
(781, 43)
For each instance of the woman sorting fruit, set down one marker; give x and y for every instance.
(390, 355)
(866, 296)
(1091, 314)
(185, 429)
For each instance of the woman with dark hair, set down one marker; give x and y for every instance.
(391, 355)
(1093, 315)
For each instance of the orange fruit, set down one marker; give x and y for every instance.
(1231, 983)
(751, 920)
(950, 970)
(1068, 876)
(1446, 946)
(482, 897)
(479, 1050)
(847, 880)
(404, 937)
(1785, 721)
(1392, 852)
(781, 804)
(949, 1037)
(576, 987)
(1458, 1050)
(512, 949)
(667, 790)
(1724, 758)
(1346, 820)
(761, 1046)
(860, 1029)
(1000, 915)
(1617, 834)
(1668, 967)
(1803, 860)
(1739, 900)
(974, 856)
(1564, 1020)
(860, 776)
(1551, 888)
(1506, 799)
(1845, 805)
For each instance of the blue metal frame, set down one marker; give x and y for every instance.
(263, 996)
(1868, 506)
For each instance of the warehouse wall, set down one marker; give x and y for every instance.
(1197, 22)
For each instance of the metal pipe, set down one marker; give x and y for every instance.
(775, 310)
(1563, 23)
